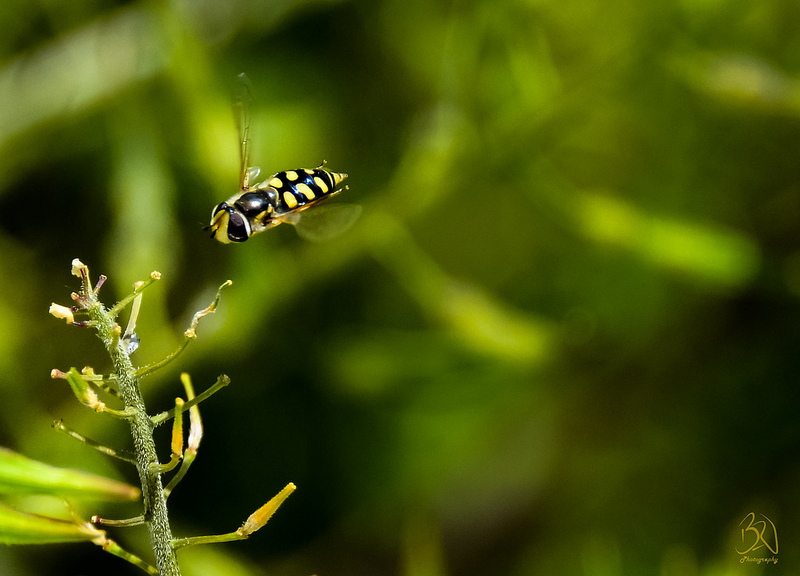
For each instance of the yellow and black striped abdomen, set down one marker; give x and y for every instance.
(300, 189)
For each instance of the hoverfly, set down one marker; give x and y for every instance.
(284, 197)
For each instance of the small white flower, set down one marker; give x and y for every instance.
(62, 312)
(77, 265)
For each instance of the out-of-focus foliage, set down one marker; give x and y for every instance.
(20, 528)
(20, 475)
(562, 338)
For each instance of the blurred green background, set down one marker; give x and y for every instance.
(561, 339)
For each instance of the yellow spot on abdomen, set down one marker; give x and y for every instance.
(276, 183)
(321, 183)
(291, 175)
(289, 199)
(305, 191)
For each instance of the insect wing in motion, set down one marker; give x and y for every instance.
(326, 222)
(242, 104)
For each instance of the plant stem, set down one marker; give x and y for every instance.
(155, 505)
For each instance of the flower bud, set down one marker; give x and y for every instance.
(62, 312)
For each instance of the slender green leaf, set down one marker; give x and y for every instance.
(21, 528)
(21, 475)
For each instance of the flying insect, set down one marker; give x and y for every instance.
(284, 197)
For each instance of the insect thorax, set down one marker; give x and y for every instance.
(257, 204)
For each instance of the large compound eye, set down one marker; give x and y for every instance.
(219, 223)
(238, 227)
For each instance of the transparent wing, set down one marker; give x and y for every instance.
(324, 222)
(252, 173)
(242, 102)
